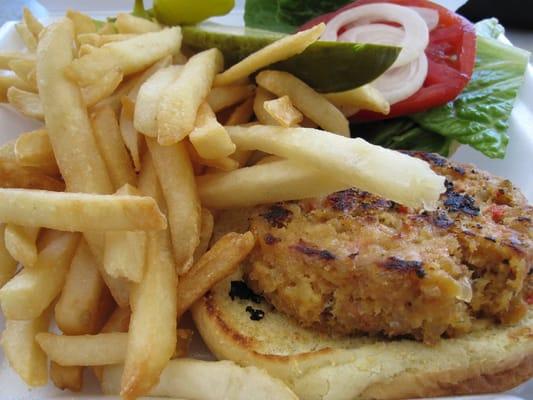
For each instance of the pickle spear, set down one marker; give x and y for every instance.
(325, 66)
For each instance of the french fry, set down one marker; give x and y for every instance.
(149, 96)
(86, 49)
(67, 122)
(365, 97)
(147, 74)
(175, 174)
(98, 40)
(12, 175)
(227, 96)
(107, 29)
(125, 251)
(217, 263)
(27, 295)
(311, 103)
(127, 23)
(387, 173)
(63, 377)
(79, 212)
(76, 311)
(22, 351)
(195, 379)
(27, 103)
(149, 183)
(33, 24)
(131, 55)
(277, 51)
(33, 149)
(103, 88)
(20, 241)
(184, 342)
(129, 135)
(109, 141)
(8, 265)
(264, 183)
(180, 102)
(27, 37)
(209, 138)
(9, 80)
(152, 331)
(25, 70)
(85, 350)
(7, 152)
(6, 58)
(82, 22)
(282, 110)
(206, 231)
(261, 96)
(242, 113)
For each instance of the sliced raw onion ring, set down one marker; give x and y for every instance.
(399, 83)
(416, 31)
(429, 15)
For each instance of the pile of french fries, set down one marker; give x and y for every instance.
(107, 211)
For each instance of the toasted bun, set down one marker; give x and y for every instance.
(317, 366)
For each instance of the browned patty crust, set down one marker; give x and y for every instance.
(353, 262)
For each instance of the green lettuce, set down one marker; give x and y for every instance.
(298, 12)
(263, 14)
(479, 117)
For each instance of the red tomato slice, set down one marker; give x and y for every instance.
(451, 55)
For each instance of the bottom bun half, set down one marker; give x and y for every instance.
(318, 366)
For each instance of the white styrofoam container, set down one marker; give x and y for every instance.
(517, 166)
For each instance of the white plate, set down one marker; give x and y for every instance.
(517, 166)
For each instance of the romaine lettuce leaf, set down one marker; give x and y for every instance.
(479, 117)
(298, 12)
(402, 134)
(263, 14)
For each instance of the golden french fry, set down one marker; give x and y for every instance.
(25, 70)
(85, 350)
(79, 212)
(125, 251)
(76, 311)
(220, 261)
(223, 164)
(82, 22)
(175, 174)
(33, 24)
(98, 40)
(85, 49)
(33, 149)
(131, 55)
(387, 173)
(365, 97)
(12, 175)
(282, 110)
(242, 157)
(264, 183)
(261, 96)
(147, 74)
(103, 88)
(29, 293)
(8, 265)
(195, 379)
(280, 50)
(107, 29)
(129, 135)
(27, 37)
(27, 103)
(311, 103)
(111, 145)
(20, 241)
(206, 231)
(226, 96)
(127, 23)
(22, 351)
(179, 104)
(149, 183)
(152, 331)
(9, 80)
(70, 378)
(149, 96)
(209, 138)
(67, 122)
(7, 152)
(242, 113)
(6, 58)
